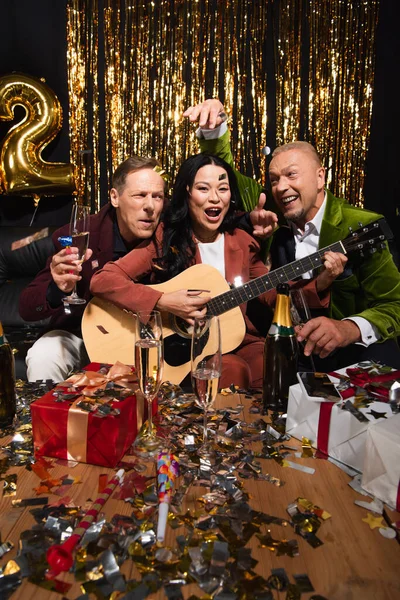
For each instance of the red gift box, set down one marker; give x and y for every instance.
(62, 430)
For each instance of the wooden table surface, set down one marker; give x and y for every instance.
(354, 561)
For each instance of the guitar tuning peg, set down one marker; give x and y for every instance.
(372, 250)
(360, 224)
(382, 245)
(350, 229)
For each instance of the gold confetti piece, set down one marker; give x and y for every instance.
(305, 503)
(374, 522)
(162, 172)
(307, 448)
(323, 514)
(281, 547)
(11, 568)
(309, 506)
(95, 574)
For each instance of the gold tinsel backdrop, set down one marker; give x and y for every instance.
(284, 69)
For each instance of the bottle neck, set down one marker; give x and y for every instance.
(282, 321)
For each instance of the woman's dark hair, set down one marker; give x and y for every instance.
(178, 246)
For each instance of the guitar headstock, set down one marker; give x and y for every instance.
(368, 238)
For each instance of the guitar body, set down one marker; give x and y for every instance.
(108, 331)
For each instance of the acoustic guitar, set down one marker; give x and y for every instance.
(108, 331)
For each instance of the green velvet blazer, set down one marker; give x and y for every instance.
(370, 287)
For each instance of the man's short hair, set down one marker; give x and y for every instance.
(303, 146)
(130, 165)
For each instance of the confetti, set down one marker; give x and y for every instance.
(10, 485)
(388, 532)
(373, 522)
(4, 548)
(307, 448)
(376, 506)
(303, 468)
(214, 534)
(60, 557)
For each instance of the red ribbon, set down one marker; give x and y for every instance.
(324, 423)
(361, 378)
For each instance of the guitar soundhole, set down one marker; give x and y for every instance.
(177, 350)
(181, 327)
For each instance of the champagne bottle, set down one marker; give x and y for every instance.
(280, 354)
(7, 385)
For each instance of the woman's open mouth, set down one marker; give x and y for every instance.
(213, 214)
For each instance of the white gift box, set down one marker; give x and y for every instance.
(381, 474)
(346, 436)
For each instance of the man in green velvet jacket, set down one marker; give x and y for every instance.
(365, 300)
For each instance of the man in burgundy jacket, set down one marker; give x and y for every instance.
(131, 216)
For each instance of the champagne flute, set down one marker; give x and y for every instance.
(149, 363)
(79, 232)
(300, 313)
(206, 366)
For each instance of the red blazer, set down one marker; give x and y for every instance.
(119, 282)
(33, 305)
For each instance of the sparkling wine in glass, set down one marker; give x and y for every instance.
(149, 363)
(79, 232)
(300, 313)
(206, 366)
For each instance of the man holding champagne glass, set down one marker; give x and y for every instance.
(130, 218)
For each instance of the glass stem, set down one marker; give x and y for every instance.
(205, 427)
(150, 415)
(312, 363)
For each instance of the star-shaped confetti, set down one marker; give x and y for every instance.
(373, 522)
(376, 414)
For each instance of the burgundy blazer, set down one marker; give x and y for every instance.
(33, 305)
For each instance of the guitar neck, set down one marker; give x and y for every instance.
(264, 283)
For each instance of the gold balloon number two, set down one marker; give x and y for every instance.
(22, 169)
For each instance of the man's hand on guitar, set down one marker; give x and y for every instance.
(186, 304)
(65, 268)
(333, 266)
(264, 221)
(209, 113)
(323, 335)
